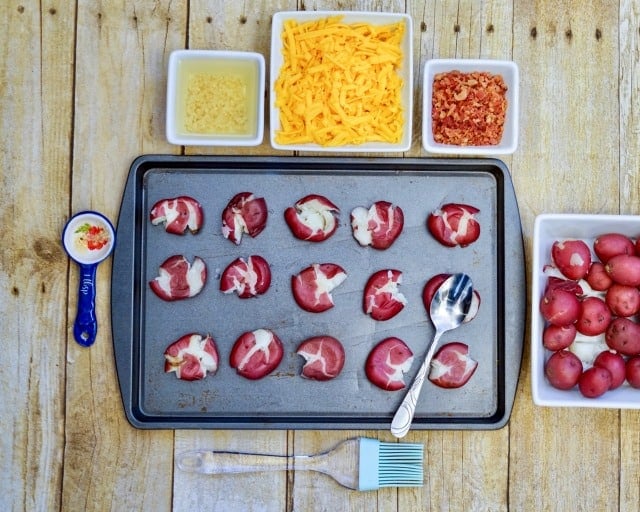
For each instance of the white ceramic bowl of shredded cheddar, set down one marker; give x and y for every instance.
(470, 106)
(215, 98)
(341, 81)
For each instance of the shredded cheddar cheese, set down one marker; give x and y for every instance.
(216, 104)
(339, 84)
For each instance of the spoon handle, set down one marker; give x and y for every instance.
(86, 325)
(401, 422)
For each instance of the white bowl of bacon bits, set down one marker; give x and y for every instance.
(341, 81)
(585, 310)
(470, 106)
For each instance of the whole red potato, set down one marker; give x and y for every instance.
(557, 337)
(594, 382)
(632, 372)
(559, 307)
(598, 278)
(563, 369)
(613, 362)
(624, 269)
(623, 336)
(594, 316)
(623, 300)
(571, 257)
(609, 245)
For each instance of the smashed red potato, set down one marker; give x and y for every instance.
(454, 224)
(592, 296)
(245, 213)
(179, 279)
(379, 226)
(387, 363)
(256, 354)
(248, 278)
(324, 357)
(178, 215)
(191, 357)
(312, 218)
(382, 297)
(313, 285)
(452, 366)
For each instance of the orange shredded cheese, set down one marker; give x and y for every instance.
(339, 84)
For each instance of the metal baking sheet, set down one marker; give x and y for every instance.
(144, 325)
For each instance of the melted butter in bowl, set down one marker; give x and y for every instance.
(215, 98)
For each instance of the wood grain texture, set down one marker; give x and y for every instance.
(82, 93)
(36, 77)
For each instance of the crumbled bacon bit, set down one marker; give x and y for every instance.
(469, 109)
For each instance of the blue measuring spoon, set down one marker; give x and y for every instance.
(88, 238)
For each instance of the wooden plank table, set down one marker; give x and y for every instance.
(82, 90)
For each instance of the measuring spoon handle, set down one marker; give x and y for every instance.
(86, 325)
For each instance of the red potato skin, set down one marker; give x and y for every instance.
(563, 369)
(615, 363)
(324, 356)
(387, 362)
(178, 214)
(247, 209)
(594, 382)
(558, 337)
(598, 278)
(452, 367)
(572, 258)
(454, 224)
(632, 372)
(623, 300)
(609, 245)
(174, 271)
(623, 336)
(557, 283)
(191, 357)
(624, 269)
(594, 316)
(235, 277)
(379, 226)
(379, 303)
(294, 217)
(304, 287)
(256, 354)
(560, 307)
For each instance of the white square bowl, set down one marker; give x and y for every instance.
(510, 74)
(249, 66)
(547, 229)
(405, 72)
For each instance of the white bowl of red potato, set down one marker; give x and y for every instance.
(475, 102)
(585, 302)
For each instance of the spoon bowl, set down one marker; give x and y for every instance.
(448, 309)
(88, 238)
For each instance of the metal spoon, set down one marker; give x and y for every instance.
(449, 306)
(87, 248)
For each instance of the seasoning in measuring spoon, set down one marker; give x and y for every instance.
(90, 236)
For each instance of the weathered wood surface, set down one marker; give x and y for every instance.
(82, 90)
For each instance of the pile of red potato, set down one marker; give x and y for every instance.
(592, 298)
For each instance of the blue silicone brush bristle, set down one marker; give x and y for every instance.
(390, 464)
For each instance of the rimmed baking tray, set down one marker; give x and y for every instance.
(143, 325)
